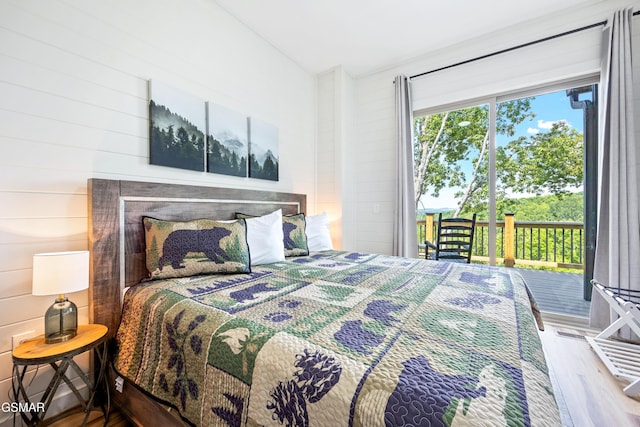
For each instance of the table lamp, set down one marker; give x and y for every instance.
(60, 273)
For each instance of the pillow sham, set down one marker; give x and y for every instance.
(318, 234)
(294, 236)
(264, 235)
(201, 246)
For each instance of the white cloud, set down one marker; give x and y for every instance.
(533, 131)
(543, 124)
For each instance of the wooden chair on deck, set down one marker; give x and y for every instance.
(454, 240)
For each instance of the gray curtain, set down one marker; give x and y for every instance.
(405, 241)
(617, 261)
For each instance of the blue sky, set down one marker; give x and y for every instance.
(548, 108)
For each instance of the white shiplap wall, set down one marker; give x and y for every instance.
(74, 105)
(374, 163)
(372, 154)
(326, 148)
(335, 137)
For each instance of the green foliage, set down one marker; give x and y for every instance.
(550, 208)
(547, 162)
(446, 141)
(543, 244)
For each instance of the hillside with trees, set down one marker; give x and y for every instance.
(548, 208)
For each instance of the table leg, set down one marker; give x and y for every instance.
(17, 385)
(96, 386)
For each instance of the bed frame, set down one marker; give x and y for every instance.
(117, 260)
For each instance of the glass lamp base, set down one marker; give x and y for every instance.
(60, 336)
(60, 321)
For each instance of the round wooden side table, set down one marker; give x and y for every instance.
(60, 357)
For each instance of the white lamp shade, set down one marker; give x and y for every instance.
(60, 272)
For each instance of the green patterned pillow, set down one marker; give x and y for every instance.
(295, 237)
(201, 246)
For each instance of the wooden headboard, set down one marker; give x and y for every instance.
(116, 235)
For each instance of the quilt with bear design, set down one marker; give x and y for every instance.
(341, 338)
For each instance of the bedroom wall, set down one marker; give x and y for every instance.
(73, 106)
(373, 155)
(335, 131)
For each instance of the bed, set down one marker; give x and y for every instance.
(324, 338)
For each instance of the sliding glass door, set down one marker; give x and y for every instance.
(452, 168)
(518, 163)
(540, 174)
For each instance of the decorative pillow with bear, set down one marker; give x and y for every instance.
(295, 237)
(293, 229)
(201, 246)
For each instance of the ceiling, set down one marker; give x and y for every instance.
(369, 35)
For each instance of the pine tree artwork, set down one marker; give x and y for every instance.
(263, 150)
(176, 129)
(227, 141)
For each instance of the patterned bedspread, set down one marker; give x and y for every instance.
(341, 338)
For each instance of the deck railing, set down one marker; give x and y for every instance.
(548, 244)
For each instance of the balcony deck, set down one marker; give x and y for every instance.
(558, 293)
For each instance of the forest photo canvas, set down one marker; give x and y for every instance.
(263, 150)
(227, 141)
(177, 128)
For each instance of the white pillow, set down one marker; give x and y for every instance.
(264, 236)
(318, 235)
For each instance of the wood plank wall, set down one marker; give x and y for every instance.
(73, 106)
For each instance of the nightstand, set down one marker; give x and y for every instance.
(60, 356)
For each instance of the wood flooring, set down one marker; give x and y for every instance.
(96, 419)
(588, 395)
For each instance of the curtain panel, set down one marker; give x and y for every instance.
(617, 260)
(405, 241)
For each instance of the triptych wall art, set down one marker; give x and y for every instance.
(189, 133)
